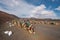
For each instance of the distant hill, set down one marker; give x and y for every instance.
(6, 17)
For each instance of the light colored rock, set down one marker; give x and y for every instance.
(9, 33)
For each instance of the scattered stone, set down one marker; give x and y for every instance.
(9, 33)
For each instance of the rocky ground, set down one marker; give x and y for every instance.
(43, 32)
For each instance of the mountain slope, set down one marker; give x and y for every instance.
(6, 17)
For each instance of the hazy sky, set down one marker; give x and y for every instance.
(32, 8)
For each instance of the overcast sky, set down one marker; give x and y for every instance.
(32, 8)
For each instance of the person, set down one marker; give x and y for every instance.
(27, 24)
(30, 28)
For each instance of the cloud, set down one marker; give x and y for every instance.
(41, 12)
(23, 9)
(17, 7)
(58, 8)
(39, 8)
(14, 2)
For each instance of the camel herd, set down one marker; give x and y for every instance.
(29, 26)
(45, 22)
(22, 24)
